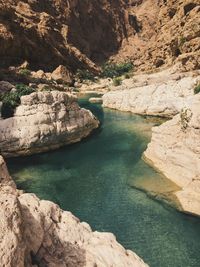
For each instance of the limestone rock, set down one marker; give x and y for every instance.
(45, 121)
(97, 100)
(35, 232)
(62, 74)
(40, 74)
(175, 151)
(161, 97)
(11, 246)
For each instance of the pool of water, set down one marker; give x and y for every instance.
(94, 179)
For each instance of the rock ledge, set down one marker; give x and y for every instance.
(45, 121)
(36, 233)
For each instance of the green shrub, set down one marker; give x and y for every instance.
(9, 103)
(117, 81)
(197, 89)
(111, 70)
(84, 75)
(11, 100)
(23, 89)
(25, 72)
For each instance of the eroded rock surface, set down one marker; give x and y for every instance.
(45, 121)
(81, 34)
(175, 151)
(37, 233)
(153, 94)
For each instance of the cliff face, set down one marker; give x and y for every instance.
(50, 33)
(167, 32)
(82, 33)
(35, 233)
(45, 121)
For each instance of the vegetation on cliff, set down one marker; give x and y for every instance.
(10, 100)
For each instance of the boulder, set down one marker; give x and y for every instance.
(96, 100)
(62, 74)
(5, 87)
(40, 74)
(45, 121)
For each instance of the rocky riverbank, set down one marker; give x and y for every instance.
(159, 94)
(35, 232)
(174, 148)
(175, 151)
(45, 121)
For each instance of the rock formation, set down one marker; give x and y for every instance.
(81, 34)
(158, 94)
(166, 32)
(175, 146)
(45, 121)
(37, 233)
(60, 32)
(175, 151)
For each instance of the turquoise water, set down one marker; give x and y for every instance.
(93, 180)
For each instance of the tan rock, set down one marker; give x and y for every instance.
(45, 121)
(12, 248)
(40, 74)
(96, 100)
(156, 94)
(24, 65)
(62, 74)
(175, 151)
(150, 33)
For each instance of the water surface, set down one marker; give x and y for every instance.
(93, 180)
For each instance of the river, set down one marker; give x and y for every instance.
(96, 180)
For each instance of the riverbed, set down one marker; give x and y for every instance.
(102, 181)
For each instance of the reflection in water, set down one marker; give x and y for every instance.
(92, 179)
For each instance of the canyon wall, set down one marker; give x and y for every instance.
(168, 32)
(50, 33)
(85, 33)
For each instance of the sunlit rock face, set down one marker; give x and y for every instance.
(81, 34)
(72, 33)
(35, 232)
(45, 121)
(162, 95)
(175, 151)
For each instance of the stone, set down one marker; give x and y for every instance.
(96, 100)
(159, 94)
(6, 86)
(36, 232)
(45, 121)
(62, 74)
(24, 65)
(100, 86)
(148, 33)
(40, 74)
(175, 151)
